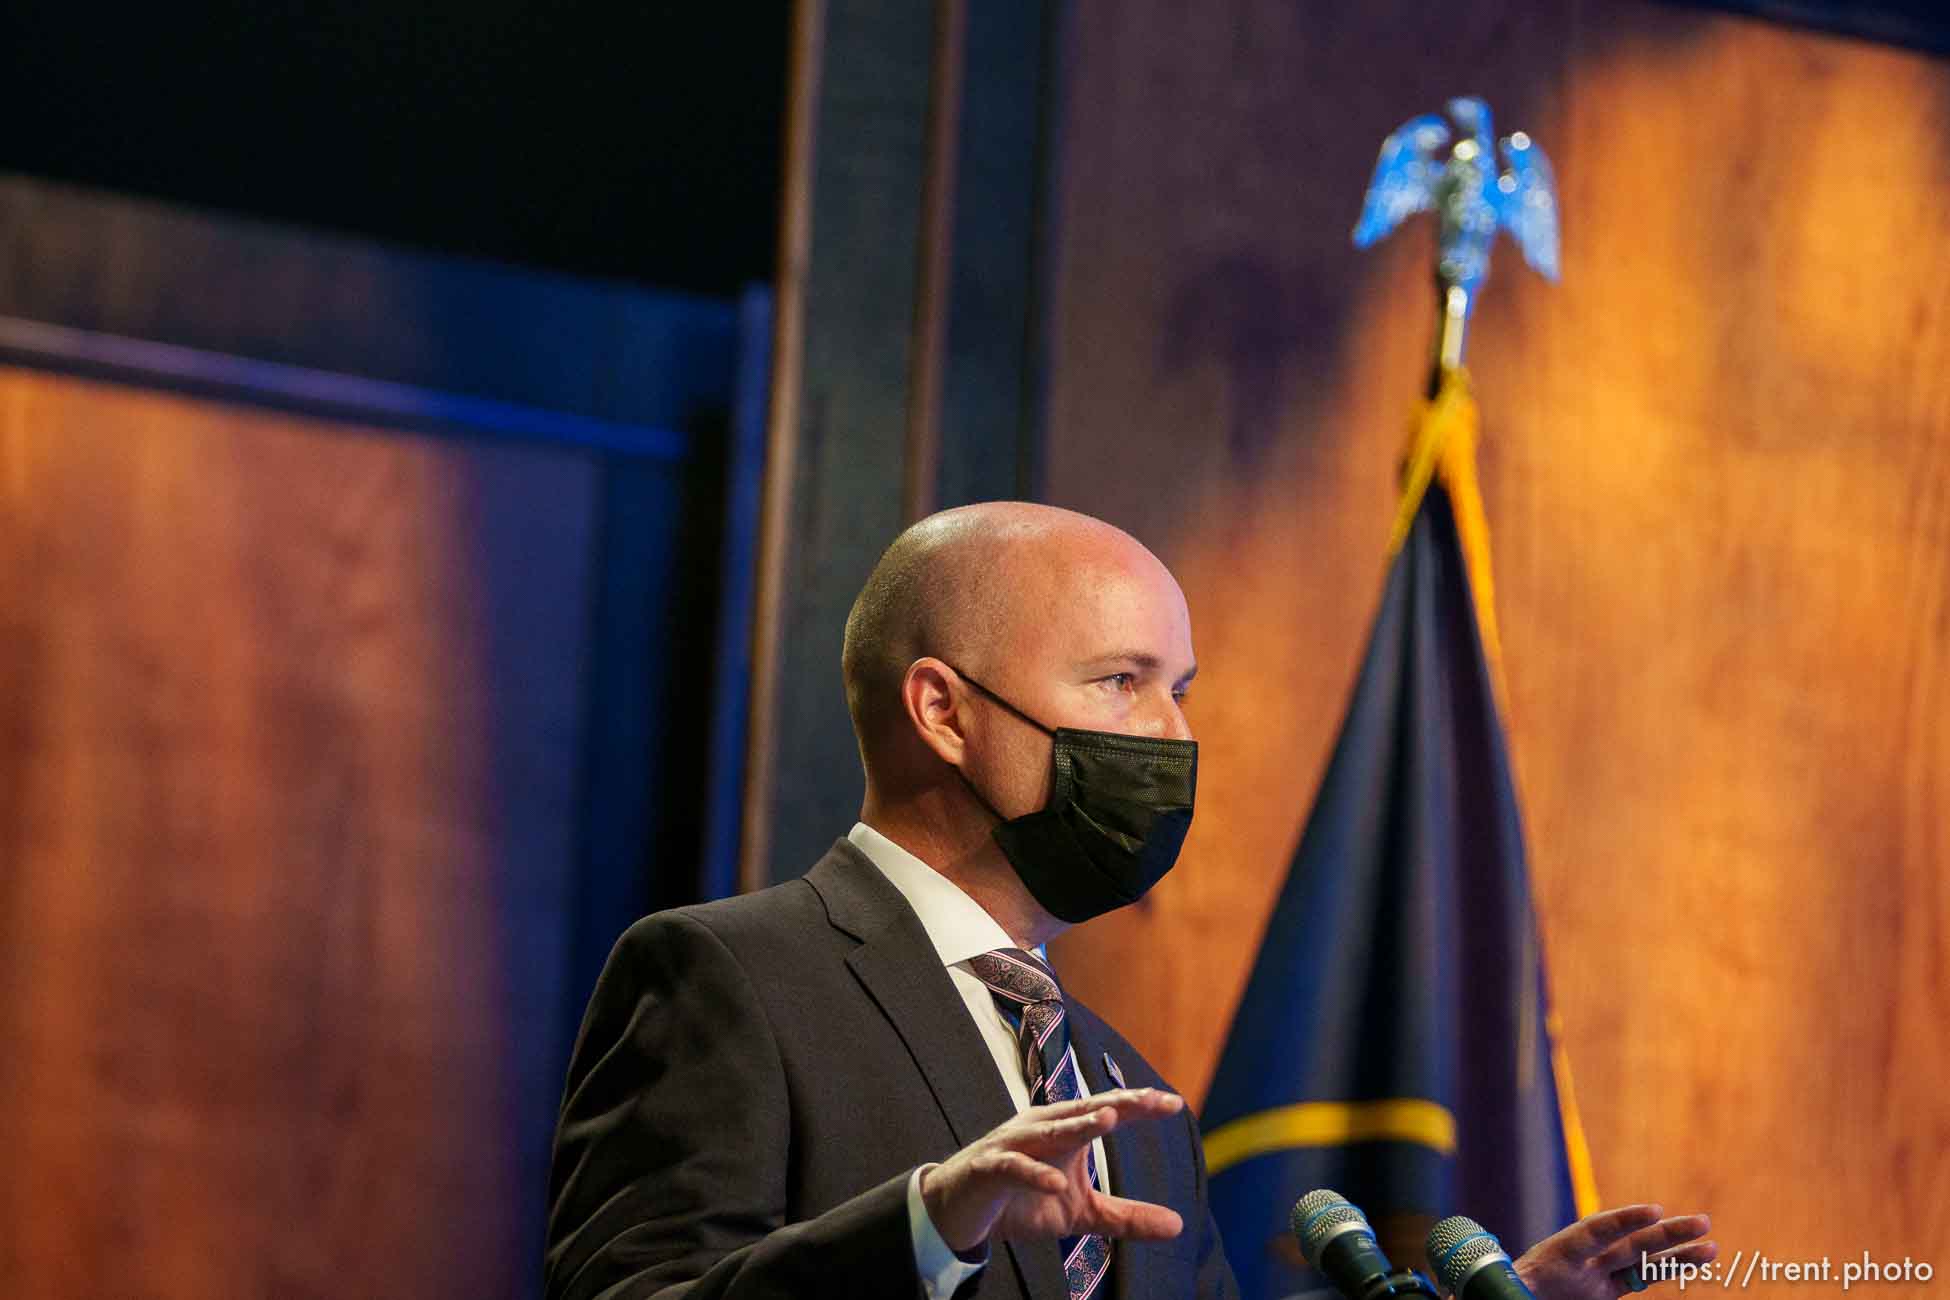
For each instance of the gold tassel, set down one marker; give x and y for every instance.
(1443, 442)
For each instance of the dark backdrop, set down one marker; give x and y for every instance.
(638, 141)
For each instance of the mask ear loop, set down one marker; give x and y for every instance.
(1047, 731)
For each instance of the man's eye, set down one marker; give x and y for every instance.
(1120, 681)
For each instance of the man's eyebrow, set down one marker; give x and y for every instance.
(1137, 658)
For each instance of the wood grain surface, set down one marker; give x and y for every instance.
(286, 749)
(1717, 468)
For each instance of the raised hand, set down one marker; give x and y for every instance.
(1581, 1261)
(1028, 1177)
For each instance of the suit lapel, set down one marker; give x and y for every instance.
(900, 970)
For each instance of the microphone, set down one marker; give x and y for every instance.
(1336, 1239)
(1471, 1264)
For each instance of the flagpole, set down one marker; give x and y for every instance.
(1454, 305)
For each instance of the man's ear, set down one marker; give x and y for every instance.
(931, 698)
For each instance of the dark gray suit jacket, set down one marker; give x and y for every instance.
(756, 1078)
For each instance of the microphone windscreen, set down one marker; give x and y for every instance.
(1319, 1217)
(1459, 1247)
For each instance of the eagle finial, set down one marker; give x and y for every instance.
(1472, 198)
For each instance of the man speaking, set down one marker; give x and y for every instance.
(868, 1082)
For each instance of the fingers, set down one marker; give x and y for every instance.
(1608, 1227)
(1055, 1138)
(1652, 1240)
(1056, 1130)
(1115, 1216)
(1022, 1169)
(1129, 1103)
(1698, 1252)
(1663, 1265)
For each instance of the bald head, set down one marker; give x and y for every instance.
(997, 589)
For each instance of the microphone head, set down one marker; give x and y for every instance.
(1322, 1215)
(1457, 1247)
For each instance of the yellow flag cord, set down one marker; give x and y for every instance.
(1444, 441)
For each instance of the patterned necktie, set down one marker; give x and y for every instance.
(1027, 992)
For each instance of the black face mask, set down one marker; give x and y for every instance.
(1119, 808)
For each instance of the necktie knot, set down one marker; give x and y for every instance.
(1016, 976)
(1027, 993)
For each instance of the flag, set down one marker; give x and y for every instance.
(1394, 1042)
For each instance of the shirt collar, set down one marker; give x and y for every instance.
(956, 923)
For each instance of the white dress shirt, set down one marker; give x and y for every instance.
(959, 930)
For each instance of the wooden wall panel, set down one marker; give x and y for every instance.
(907, 354)
(287, 780)
(1717, 466)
